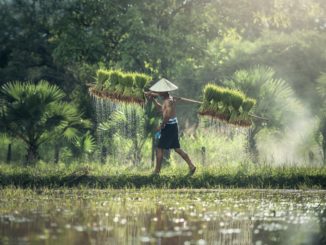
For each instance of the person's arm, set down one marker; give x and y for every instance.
(157, 104)
(151, 96)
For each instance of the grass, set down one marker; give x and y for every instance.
(108, 176)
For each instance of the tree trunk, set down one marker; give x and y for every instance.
(9, 153)
(252, 145)
(323, 133)
(203, 155)
(104, 153)
(32, 154)
(153, 151)
(324, 149)
(56, 153)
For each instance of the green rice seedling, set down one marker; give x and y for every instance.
(119, 87)
(138, 94)
(128, 82)
(107, 86)
(236, 99)
(248, 104)
(113, 80)
(209, 92)
(212, 92)
(226, 96)
(234, 115)
(212, 99)
(216, 107)
(102, 76)
(218, 93)
(226, 104)
(141, 80)
(204, 107)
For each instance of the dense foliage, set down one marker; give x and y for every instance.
(35, 114)
(273, 51)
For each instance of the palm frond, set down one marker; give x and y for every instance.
(116, 118)
(275, 98)
(4, 138)
(71, 133)
(83, 144)
(49, 93)
(89, 143)
(29, 93)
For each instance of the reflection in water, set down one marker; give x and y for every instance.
(163, 217)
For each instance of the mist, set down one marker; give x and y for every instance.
(296, 145)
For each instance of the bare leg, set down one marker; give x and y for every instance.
(186, 157)
(159, 158)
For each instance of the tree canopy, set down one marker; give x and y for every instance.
(191, 42)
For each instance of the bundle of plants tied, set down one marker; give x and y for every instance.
(120, 86)
(229, 105)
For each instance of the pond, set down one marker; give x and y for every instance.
(152, 216)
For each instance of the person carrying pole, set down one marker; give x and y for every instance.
(168, 130)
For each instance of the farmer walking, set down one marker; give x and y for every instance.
(168, 130)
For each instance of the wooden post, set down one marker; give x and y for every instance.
(153, 151)
(9, 153)
(203, 155)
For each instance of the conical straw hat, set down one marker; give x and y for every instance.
(163, 85)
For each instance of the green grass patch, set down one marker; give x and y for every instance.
(106, 176)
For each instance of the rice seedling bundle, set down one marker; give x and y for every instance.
(226, 104)
(120, 86)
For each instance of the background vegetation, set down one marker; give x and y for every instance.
(273, 51)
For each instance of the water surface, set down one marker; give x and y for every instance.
(162, 217)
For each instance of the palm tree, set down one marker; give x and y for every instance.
(275, 100)
(36, 114)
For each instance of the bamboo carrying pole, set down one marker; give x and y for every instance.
(189, 100)
(200, 102)
(181, 98)
(192, 101)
